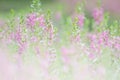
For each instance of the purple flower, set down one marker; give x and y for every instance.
(98, 15)
(18, 36)
(104, 37)
(81, 19)
(21, 44)
(22, 47)
(41, 20)
(92, 37)
(117, 46)
(91, 56)
(31, 19)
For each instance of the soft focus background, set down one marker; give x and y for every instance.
(67, 5)
(58, 7)
(55, 45)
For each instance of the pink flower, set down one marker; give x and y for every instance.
(75, 38)
(18, 36)
(93, 46)
(50, 31)
(34, 39)
(104, 37)
(100, 41)
(116, 43)
(98, 15)
(22, 47)
(92, 37)
(21, 44)
(92, 56)
(31, 19)
(117, 46)
(41, 21)
(81, 20)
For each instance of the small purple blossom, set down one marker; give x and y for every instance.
(31, 19)
(18, 36)
(41, 21)
(81, 19)
(104, 38)
(98, 15)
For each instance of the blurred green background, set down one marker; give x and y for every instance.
(21, 6)
(67, 6)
